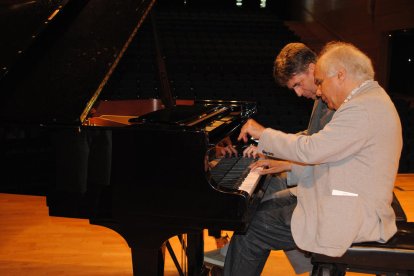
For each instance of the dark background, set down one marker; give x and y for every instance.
(211, 50)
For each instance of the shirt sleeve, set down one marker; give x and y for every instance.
(344, 135)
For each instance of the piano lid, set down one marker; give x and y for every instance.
(181, 114)
(59, 54)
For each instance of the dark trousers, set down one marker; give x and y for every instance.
(269, 230)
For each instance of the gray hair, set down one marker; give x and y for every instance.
(341, 54)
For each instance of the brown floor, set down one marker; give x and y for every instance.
(32, 243)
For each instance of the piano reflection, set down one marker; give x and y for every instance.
(141, 167)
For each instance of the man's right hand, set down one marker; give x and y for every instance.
(271, 166)
(251, 128)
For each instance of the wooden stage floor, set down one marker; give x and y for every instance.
(32, 243)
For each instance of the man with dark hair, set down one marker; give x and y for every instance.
(294, 58)
(294, 68)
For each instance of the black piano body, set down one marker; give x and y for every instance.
(151, 180)
(140, 166)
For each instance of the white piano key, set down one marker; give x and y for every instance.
(250, 182)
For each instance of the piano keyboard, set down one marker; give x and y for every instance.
(234, 173)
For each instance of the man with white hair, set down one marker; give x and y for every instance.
(345, 191)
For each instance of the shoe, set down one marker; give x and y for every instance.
(216, 257)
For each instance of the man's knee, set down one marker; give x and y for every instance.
(286, 193)
(299, 261)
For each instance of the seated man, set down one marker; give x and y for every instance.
(344, 193)
(293, 67)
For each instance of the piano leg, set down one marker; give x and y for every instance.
(148, 244)
(195, 252)
(148, 261)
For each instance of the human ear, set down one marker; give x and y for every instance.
(311, 68)
(341, 74)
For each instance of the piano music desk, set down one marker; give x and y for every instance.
(32, 243)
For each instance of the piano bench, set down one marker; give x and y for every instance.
(395, 257)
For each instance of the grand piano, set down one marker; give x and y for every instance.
(141, 167)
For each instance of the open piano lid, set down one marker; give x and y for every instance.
(180, 115)
(58, 55)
